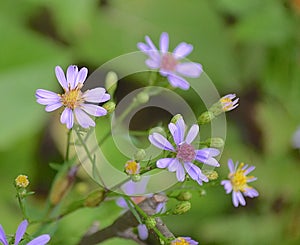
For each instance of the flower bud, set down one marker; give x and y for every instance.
(94, 198)
(211, 175)
(135, 177)
(175, 118)
(184, 196)
(132, 167)
(182, 207)
(22, 181)
(142, 97)
(150, 222)
(205, 117)
(111, 82)
(109, 106)
(159, 130)
(215, 142)
(140, 155)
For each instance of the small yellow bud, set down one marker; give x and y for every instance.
(211, 175)
(22, 181)
(109, 106)
(182, 207)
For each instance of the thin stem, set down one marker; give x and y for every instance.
(68, 145)
(22, 206)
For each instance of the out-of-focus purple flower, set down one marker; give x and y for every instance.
(138, 188)
(185, 152)
(40, 240)
(169, 64)
(229, 102)
(73, 99)
(184, 241)
(238, 183)
(296, 139)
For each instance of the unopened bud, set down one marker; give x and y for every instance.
(111, 82)
(135, 177)
(94, 198)
(140, 155)
(205, 117)
(150, 222)
(184, 196)
(211, 175)
(142, 97)
(109, 106)
(175, 118)
(159, 130)
(215, 142)
(182, 207)
(202, 192)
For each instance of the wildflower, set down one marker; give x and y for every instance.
(73, 100)
(169, 64)
(40, 240)
(238, 183)
(185, 152)
(132, 167)
(133, 188)
(228, 103)
(184, 241)
(22, 181)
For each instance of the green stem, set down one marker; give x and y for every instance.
(22, 206)
(68, 144)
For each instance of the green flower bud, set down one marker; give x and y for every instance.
(140, 155)
(184, 196)
(142, 97)
(150, 222)
(94, 198)
(182, 207)
(215, 142)
(111, 82)
(109, 106)
(202, 192)
(135, 177)
(205, 117)
(175, 118)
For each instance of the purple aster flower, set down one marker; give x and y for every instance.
(238, 183)
(169, 64)
(185, 153)
(40, 240)
(73, 100)
(184, 241)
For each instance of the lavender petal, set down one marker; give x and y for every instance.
(53, 107)
(21, 231)
(71, 76)
(67, 118)
(3, 236)
(60, 75)
(182, 50)
(174, 165)
(94, 110)
(83, 119)
(160, 141)
(142, 231)
(180, 174)
(231, 166)
(41, 240)
(179, 82)
(192, 134)
(189, 69)
(164, 42)
(164, 162)
(96, 95)
(81, 76)
(240, 198)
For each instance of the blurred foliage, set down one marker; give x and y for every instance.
(250, 47)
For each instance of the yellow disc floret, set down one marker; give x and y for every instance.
(227, 103)
(180, 241)
(22, 181)
(72, 98)
(132, 167)
(239, 179)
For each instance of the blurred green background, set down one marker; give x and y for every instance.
(250, 47)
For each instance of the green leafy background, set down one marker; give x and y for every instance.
(250, 47)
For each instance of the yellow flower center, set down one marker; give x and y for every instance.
(22, 181)
(239, 179)
(226, 104)
(72, 98)
(132, 167)
(180, 241)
